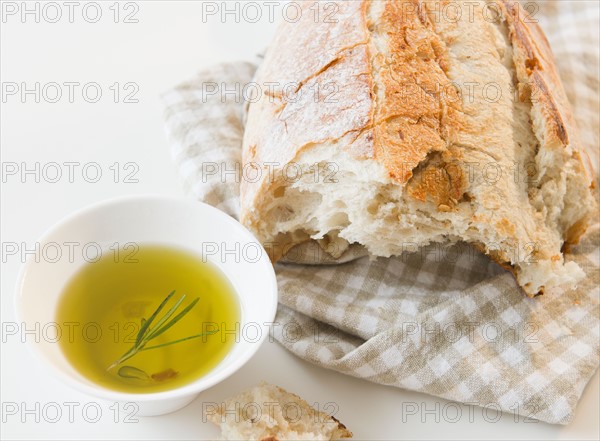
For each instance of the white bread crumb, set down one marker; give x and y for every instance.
(270, 413)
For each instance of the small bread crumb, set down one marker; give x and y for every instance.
(270, 413)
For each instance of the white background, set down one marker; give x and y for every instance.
(169, 43)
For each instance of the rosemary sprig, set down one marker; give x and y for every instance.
(148, 332)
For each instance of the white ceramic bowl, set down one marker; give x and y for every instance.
(167, 221)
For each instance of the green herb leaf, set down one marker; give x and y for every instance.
(174, 320)
(180, 340)
(132, 372)
(147, 323)
(147, 333)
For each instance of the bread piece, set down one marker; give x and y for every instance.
(428, 126)
(269, 413)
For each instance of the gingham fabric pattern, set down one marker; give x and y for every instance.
(444, 320)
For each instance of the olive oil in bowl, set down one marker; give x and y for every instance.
(129, 328)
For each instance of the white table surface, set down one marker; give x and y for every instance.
(168, 44)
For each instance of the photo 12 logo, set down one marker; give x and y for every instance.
(267, 411)
(55, 252)
(453, 412)
(69, 92)
(68, 411)
(270, 11)
(69, 171)
(70, 12)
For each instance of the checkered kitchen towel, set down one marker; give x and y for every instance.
(445, 321)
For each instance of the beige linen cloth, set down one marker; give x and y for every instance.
(445, 321)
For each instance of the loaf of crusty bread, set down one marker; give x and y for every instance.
(395, 124)
(270, 413)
